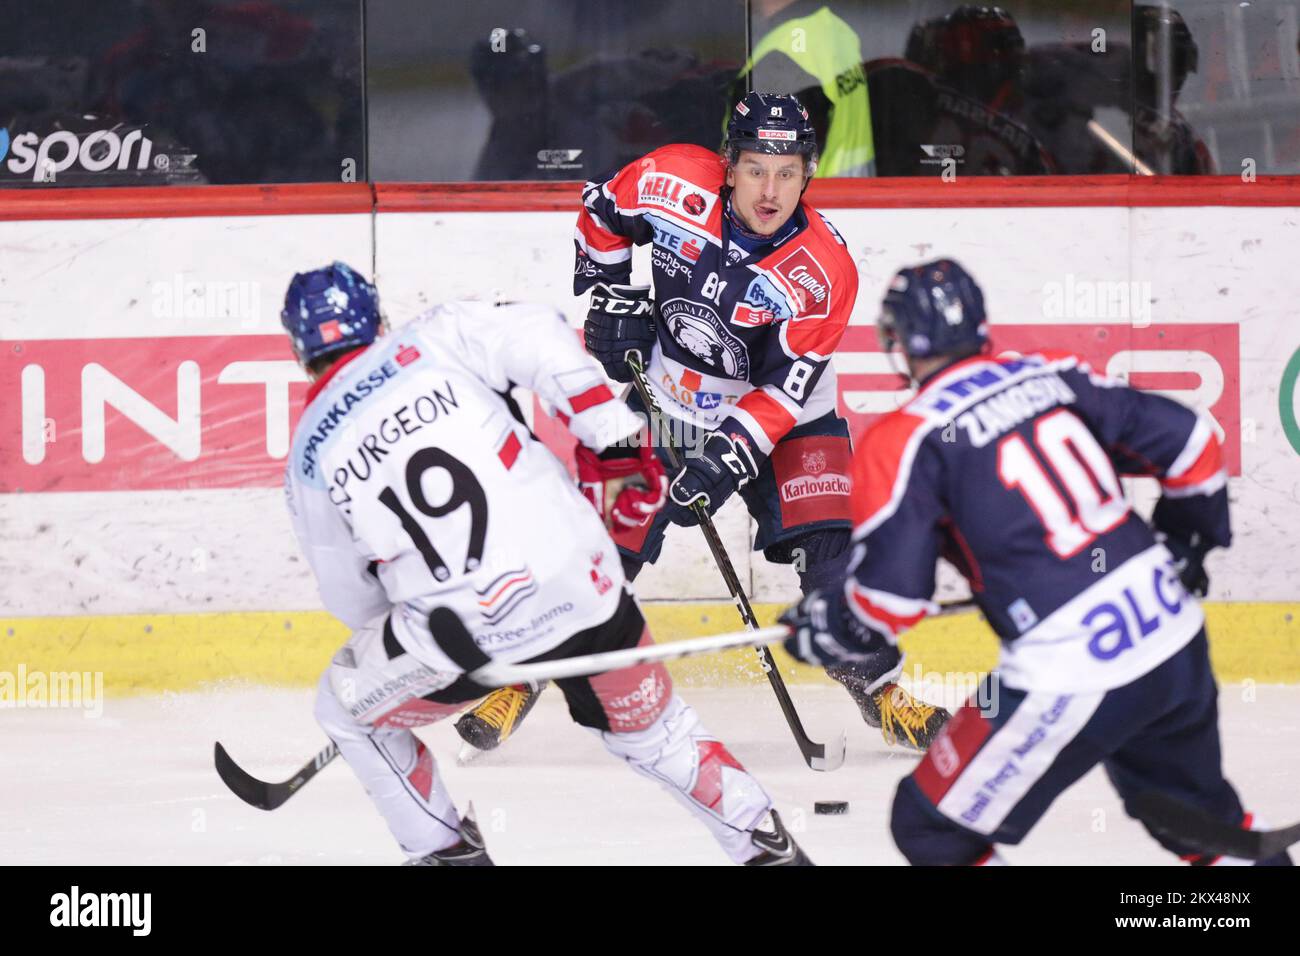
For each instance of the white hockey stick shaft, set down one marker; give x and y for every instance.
(1118, 148)
(498, 674)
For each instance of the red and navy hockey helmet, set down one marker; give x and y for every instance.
(330, 310)
(770, 123)
(933, 309)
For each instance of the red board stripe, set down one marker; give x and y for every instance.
(149, 202)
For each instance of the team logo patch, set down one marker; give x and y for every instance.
(699, 329)
(691, 250)
(677, 195)
(329, 331)
(751, 317)
(807, 283)
(500, 596)
(814, 462)
(812, 479)
(406, 354)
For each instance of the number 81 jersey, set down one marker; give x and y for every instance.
(412, 486)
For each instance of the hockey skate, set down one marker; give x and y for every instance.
(494, 719)
(779, 848)
(470, 851)
(902, 720)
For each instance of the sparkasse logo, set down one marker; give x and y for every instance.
(46, 156)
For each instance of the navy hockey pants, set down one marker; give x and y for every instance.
(1004, 757)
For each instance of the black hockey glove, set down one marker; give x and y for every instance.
(1189, 553)
(621, 318)
(720, 467)
(826, 632)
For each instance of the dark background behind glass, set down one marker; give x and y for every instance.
(573, 88)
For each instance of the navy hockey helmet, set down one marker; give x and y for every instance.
(330, 310)
(933, 309)
(770, 123)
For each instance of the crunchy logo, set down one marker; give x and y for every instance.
(329, 331)
(406, 354)
(742, 109)
(694, 204)
(599, 579)
(814, 462)
(808, 486)
(751, 317)
(806, 281)
(691, 250)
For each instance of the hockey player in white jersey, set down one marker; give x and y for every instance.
(446, 537)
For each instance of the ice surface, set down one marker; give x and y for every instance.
(137, 785)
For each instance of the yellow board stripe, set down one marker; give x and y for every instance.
(149, 653)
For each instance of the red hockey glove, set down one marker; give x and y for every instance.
(626, 486)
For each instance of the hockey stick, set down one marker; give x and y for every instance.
(1100, 133)
(817, 756)
(1180, 821)
(503, 675)
(259, 793)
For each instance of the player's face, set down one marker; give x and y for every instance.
(765, 190)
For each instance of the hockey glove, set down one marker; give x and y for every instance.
(621, 318)
(722, 466)
(626, 485)
(1189, 553)
(826, 631)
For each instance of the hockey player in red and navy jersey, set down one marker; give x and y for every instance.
(752, 291)
(1009, 467)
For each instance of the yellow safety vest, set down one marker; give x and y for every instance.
(827, 48)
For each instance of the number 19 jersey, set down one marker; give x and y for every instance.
(412, 486)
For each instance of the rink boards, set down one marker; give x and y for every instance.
(146, 395)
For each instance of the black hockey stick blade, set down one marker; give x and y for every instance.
(260, 793)
(1176, 820)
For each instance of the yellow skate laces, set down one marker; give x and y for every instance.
(501, 709)
(899, 710)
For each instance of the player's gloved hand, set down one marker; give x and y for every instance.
(826, 631)
(1189, 551)
(625, 484)
(621, 318)
(721, 466)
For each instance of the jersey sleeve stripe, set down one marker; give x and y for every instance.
(769, 414)
(751, 425)
(605, 258)
(596, 395)
(884, 612)
(596, 235)
(1199, 458)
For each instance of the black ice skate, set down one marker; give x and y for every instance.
(470, 851)
(902, 720)
(779, 848)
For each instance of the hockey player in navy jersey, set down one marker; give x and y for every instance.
(752, 291)
(446, 537)
(1009, 467)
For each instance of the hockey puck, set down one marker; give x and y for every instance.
(831, 806)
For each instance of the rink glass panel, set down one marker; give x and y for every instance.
(224, 91)
(563, 89)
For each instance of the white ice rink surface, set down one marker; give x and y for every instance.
(137, 786)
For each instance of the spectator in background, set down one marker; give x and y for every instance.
(956, 98)
(1067, 82)
(805, 48)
